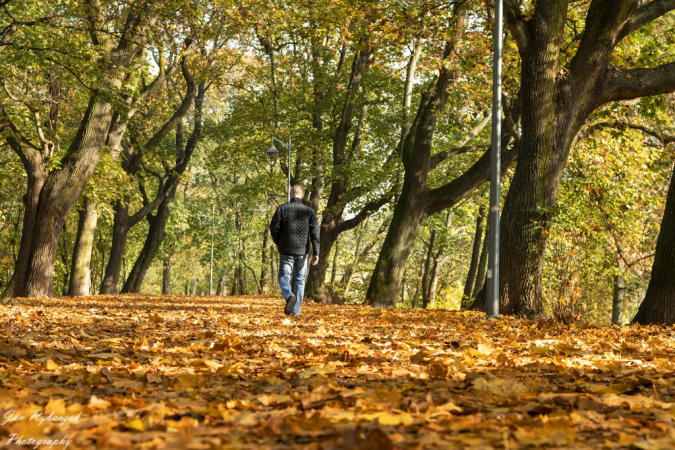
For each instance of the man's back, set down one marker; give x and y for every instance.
(292, 227)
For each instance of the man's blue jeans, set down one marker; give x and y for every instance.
(296, 265)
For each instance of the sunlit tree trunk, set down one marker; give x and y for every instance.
(166, 275)
(80, 271)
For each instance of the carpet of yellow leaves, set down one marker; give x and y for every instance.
(146, 372)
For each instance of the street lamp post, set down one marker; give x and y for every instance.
(272, 156)
(492, 304)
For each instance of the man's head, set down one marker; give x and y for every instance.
(296, 191)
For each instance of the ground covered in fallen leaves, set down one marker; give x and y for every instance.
(133, 371)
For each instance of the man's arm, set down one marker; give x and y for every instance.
(314, 237)
(275, 226)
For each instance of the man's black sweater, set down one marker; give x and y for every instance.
(292, 227)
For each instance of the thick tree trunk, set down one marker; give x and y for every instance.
(658, 307)
(36, 178)
(80, 272)
(409, 214)
(238, 280)
(475, 255)
(59, 195)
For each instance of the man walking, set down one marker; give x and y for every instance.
(292, 227)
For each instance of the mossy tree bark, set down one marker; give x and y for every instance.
(80, 269)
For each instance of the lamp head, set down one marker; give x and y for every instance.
(272, 155)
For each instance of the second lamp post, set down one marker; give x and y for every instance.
(273, 155)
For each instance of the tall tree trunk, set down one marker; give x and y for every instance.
(80, 272)
(153, 241)
(433, 283)
(332, 215)
(417, 201)
(220, 290)
(409, 214)
(166, 275)
(426, 275)
(264, 262)
(617, 300)
(37, 175)
(475, 255)
(480, 275)
(64, 260)
(131, 163)
(333, 270)
(658, 307)
(120, 232)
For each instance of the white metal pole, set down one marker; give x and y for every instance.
(289, 167)
(492, 306)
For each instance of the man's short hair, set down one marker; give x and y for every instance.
(297, 191)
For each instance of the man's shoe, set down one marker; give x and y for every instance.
(290, 303)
